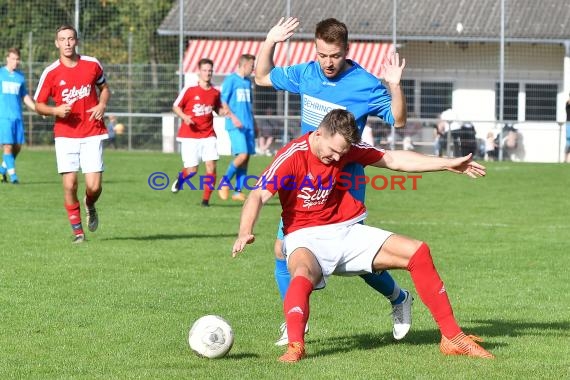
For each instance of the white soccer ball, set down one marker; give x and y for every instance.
(211, 336)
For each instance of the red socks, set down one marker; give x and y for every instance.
(432, 291)
(209, 185)
(74, 216)
(296, 308)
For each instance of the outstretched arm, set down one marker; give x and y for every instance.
(279, 33)
(392, 74)
(249, 214)
(408, 161)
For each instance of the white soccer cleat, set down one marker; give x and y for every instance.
(402, 315)
(284, 339)
(174, 187)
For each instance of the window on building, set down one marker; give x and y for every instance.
(510, 101)
(435, 98)
(409, 88)
(541, 101)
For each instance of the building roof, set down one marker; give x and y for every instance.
(525, 20)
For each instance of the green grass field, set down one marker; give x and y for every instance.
(120, 306)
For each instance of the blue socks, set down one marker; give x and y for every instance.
(10, 162)
(231, 171)
(282, 277)
(384, 283)
(240, 177)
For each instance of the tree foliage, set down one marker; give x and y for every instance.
(106, 28)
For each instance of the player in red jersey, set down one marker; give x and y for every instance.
(72, 83)
(197, 137)
(322, 233)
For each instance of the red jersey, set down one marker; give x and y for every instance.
(199, 104)
(76, 86)
(309, 190)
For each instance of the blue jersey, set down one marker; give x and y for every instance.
(354, 90)
(237, 93)
(12, 90)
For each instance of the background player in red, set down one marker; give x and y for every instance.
(72, 83)
(323, 235)
(197, 137)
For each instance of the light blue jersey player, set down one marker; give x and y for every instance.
(334, 82)
(237, 98)
(12, 91)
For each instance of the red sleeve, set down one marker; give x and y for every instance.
(43, 92)
(363, 154)
(182, 99)
(281, 172)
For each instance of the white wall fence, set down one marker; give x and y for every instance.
(536, 141)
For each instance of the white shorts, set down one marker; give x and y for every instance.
(340, 249)
(194, 151)
(74, 153)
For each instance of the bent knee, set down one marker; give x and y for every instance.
(278, 249)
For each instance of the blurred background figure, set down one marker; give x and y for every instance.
(111, 124)
(511, 144)
(568, 129)
(13, 91)
(267, 131)
(491, 147)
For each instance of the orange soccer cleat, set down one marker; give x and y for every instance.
(239, 197)
(224, 192)
(463, 344)
(295, 352)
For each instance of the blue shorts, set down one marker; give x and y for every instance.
(11, 132)
(358, 193)
(242, 140)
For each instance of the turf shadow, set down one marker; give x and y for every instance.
(171, 237)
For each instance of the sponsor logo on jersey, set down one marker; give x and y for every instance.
(12, 88)
(62, 83)
(243, 95)
(201, 109)
(315, 109)
(72, 95)
(314, 196)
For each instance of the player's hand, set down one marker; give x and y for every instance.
(283, 30)
(241, 242)
(392, 68)
(236, 122)
(465, 165)
(97, 112)
(188, 120)
(63, 110)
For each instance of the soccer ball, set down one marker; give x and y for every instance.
(211, 336)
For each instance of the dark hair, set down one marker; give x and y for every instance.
(332, 31)
(205, 61)
(66, 27)
(341, 122)
(13, 50)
